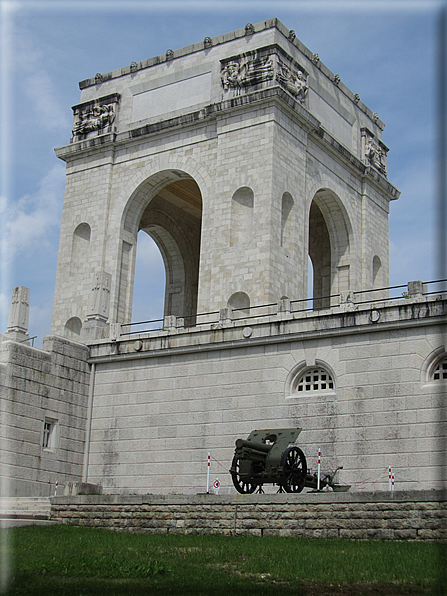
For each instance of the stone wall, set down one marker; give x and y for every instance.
(159, 407)
(386, 516)
(42, 414)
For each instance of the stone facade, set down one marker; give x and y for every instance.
(162, 400)
(43, 414)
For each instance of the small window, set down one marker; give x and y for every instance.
(315, 379)
(49, 434)
(440, 370)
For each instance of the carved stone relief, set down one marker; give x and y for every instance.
(246, 72)
(94, 116)
(374, 151)
(295, 81)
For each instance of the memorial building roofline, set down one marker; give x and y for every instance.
(208, 43)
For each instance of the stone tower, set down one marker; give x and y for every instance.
(245, 159)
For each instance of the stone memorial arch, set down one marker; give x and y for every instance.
(240, 159)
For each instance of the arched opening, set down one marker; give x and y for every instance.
(286, 220)
(377, 272)
(329, 247)
(377, 276)
(320, 255)
(242, 216)
(80, 248)
(168, 208)
(240, 303)
(150, 281)
(310, 283)
(73, 328)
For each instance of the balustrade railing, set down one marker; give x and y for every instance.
(284, 306)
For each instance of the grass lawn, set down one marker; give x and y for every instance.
(67, 560)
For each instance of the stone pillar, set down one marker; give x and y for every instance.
(416, 288)
(98, 307)
(17, 327)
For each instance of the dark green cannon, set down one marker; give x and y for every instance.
(265, 457)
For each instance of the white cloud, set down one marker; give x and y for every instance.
(31, 69)
(29, 222)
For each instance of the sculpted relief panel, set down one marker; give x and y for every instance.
(295, 81)
(251, 69)
(94, 116)
(245, 73)
(374, 152)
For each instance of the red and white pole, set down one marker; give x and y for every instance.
(55, 488)
(389, 478)
(392, 483)
(208, 474)
(319, 468)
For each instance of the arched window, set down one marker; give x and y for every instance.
(313, 379)
(440, 370)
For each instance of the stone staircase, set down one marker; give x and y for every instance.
(22, 511)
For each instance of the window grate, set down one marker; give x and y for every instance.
(316, 379)
(440, 372)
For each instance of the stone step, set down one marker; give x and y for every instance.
(25, 506)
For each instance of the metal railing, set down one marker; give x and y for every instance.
(312, 304)
(31, 339)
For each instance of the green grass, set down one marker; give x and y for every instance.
(65, 560)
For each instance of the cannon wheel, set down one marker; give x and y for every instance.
(242, 486)
(293, 462)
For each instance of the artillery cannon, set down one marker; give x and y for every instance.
(266, 457)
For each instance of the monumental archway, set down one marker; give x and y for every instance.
(330, 234)
(168, 207)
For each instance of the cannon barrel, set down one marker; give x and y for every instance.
(251, 445)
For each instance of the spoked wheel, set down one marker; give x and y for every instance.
(241, 484)
(294, 465)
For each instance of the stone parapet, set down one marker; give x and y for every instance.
(412, 515)
(276, 328)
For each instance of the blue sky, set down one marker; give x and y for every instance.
(385, 51)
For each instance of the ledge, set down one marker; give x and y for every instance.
(274, 329)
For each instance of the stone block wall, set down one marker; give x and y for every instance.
(158, 411)
(384, 516)
(42, 414)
